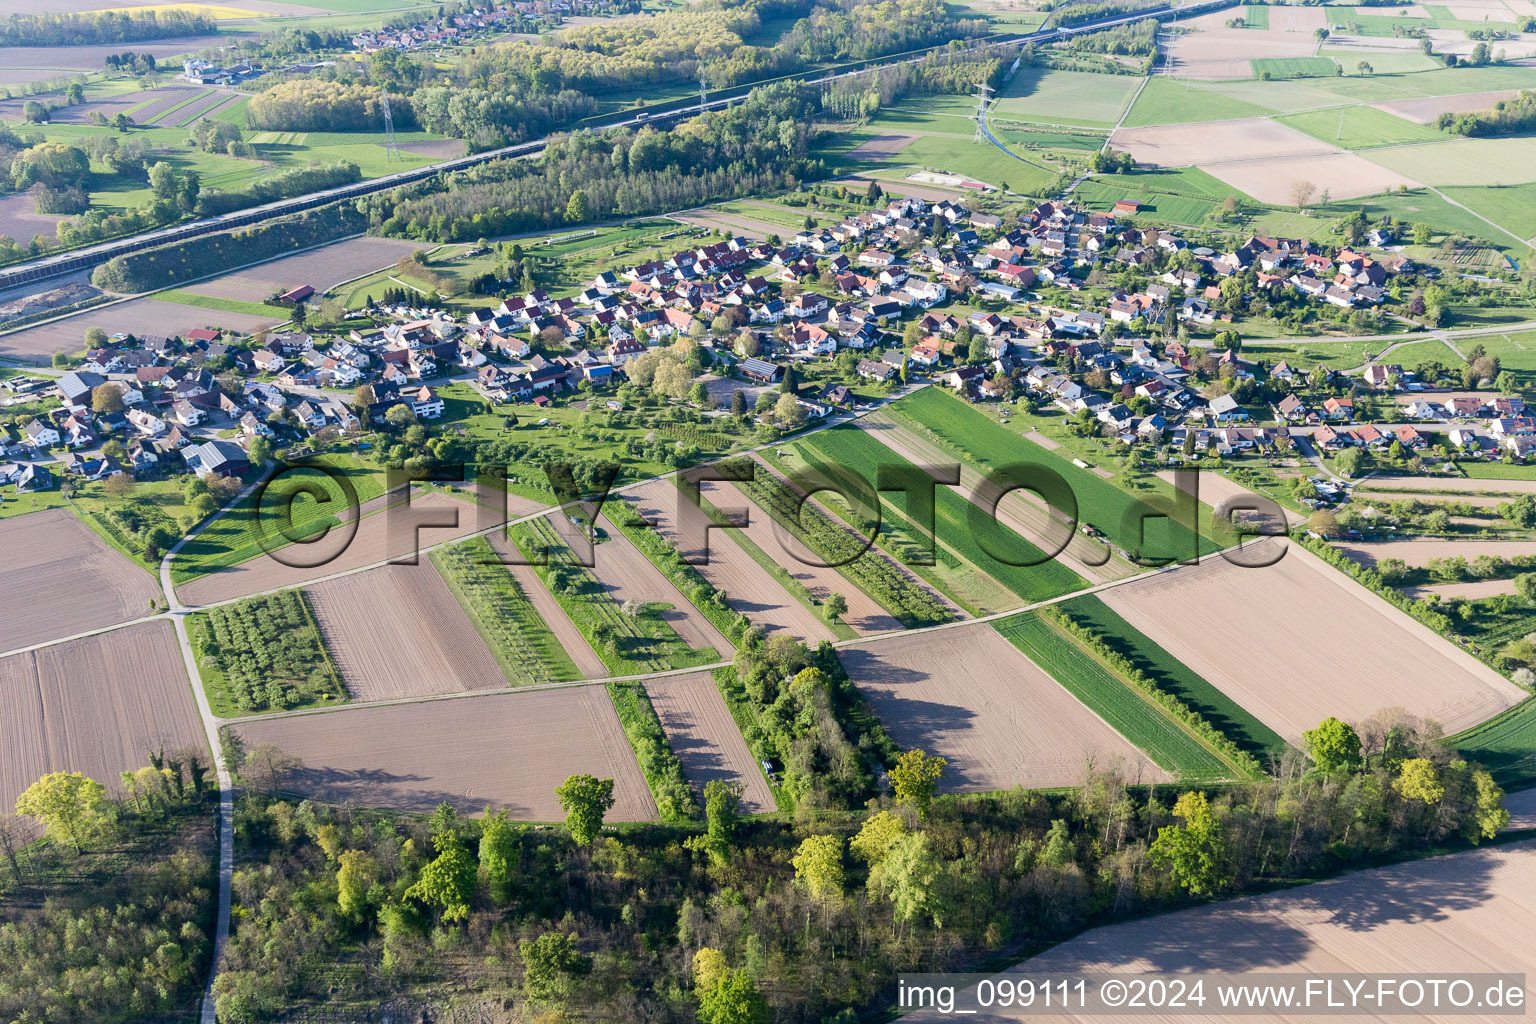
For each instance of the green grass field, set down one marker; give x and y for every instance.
(234, 538)
(1360, 127)
(1501, 161)
(964, 571)
(1512, 207)
(1173, 676)
(1505, 745)
(1066, 97)
(1173, 101)
(1101, 194)
(1255, 16)
(1336, 355)
(1382, 63)
(984, 442)
(1125, 709)
(1294, 67)
(186, 298)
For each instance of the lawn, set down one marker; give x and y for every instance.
(1360, 127)
(513, 631)
(1294, 67)
(1066, 97)
(1505, 745)
(1131, 714)
(1336, 355)
(233, 538)
(985, 443)
(1171, 101)
(1173, 676)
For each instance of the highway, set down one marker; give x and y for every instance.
(90, 256)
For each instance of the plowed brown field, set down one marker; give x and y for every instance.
(968, 695)
(705, 738)
(499, 750)
(59, 578)
(1298, 641)
(96, 705)
(397, 631)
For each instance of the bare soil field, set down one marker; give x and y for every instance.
(1417, 553)
(320, 268)
(882, 146)
(705, 738)
(1466, 591)
(628, 575)
(200, 107)
(559, 623)
(20, 220)
(1452, 484)
(864, 615)
(1249, 138)
(968, 695)
(1328, 645)
(1468, 912)
(1212, 51)
(734, 223)
(930, 193)
(136, 316)
(372, 543)
(43, 63)
(164, 100)
(94, 705)
(1343, 175)
(747, 586)
(499, 750)
(1424, 111)
(398, 631)
(60, 578)
(1023, 512)
(1454, 40)
(1522, 809)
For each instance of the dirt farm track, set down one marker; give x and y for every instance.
(59, 578)
(498, 750)
(95, 705)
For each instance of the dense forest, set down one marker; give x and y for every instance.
(737, 921)
(97, 27)
(759, 144)
(110, 917)
(517, 90)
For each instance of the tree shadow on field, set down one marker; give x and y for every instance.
(703, 762)
(1251, 934)
(376, 787)
(913, 721)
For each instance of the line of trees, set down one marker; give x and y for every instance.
(56, 28)
(1507, 117)
(736, 921)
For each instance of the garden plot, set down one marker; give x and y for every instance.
(60, 578)
(968, 695)
(566, 634)
(95, 705)
(1328, 646)
(748, 587)
(142, 317)
(705, 738)
(398, 631)
(322, 269)
(1466, 913)
(623, 570)
(496, 750)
